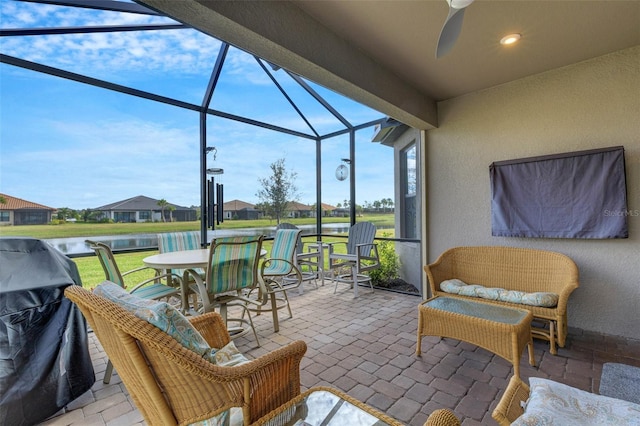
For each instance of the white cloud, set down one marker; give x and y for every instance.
(122, 150)
(245, 68)
(184, 51)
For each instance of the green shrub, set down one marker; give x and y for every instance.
(389, 263)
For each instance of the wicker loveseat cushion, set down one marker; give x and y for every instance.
(171, 321)
(553, 403)
(456, 286)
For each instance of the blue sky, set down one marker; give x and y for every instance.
(66, 144)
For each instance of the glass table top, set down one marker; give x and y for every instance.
(323, 408)
(503, 314)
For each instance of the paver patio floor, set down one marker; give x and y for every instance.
(366, 348)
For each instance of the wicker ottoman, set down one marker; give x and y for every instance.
(502, 330)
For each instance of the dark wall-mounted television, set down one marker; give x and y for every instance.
(571, 195)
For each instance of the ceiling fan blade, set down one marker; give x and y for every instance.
(450, 31)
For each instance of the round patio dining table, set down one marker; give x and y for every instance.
(182, 259)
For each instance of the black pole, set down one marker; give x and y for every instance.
(352, 176)
(203, 179)
(319, 187)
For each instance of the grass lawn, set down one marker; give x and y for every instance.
(89, 267)
(82, 229)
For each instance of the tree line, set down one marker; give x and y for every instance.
(379, 205)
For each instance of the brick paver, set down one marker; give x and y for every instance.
(366, 348)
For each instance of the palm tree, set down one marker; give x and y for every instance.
(390, 203)
(162, 203)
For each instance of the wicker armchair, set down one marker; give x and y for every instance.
(172, 385)
(509, 407)
(561, 404)
(442, 417)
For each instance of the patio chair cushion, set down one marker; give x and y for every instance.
(219, 420)
(171, 321)
(543, 299)
(559, 404)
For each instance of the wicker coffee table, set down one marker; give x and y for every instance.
(325, 406)
(502, 330)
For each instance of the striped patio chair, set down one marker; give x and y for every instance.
(178, 241)
(309, 262)
(147, 289)
(281, 264)
(232, 271)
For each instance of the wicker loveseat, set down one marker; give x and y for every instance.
(172, 385)
(511, 268)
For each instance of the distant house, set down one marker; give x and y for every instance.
(237, 209)
(145, 209)
(16, 211)
(327, 209)
(300, 210)
(295, 209)
(340, 212)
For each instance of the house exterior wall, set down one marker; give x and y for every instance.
(588, 105)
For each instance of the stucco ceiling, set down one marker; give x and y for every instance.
(382, 53)
(402, 35)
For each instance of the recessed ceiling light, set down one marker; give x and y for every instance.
(510, 39)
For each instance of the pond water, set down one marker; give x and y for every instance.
(77, 246)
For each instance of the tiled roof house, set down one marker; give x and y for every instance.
(145, 209)
(237, 209)
(16, 211)
(327, 209)
(296, 209)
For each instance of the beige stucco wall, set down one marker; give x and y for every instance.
(588, 105)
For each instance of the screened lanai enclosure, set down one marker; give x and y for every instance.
(107, 96)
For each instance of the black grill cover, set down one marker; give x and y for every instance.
(44, 355)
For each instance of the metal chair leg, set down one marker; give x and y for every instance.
(108, 373)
